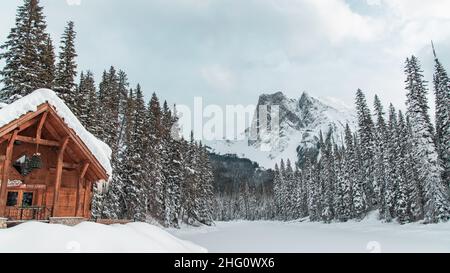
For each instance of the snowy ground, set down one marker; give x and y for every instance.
(261, 237)
(363, 237)
(91, 238)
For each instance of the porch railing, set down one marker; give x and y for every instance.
(28, 213)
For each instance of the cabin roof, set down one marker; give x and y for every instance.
(32, 102)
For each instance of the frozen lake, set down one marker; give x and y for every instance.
(362, 237)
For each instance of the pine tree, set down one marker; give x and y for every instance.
(48, 61)
(342, 196)
(138, 201)
(97, 202)
(381, 140)
(86, 103)
(392, 193)
(313, 187)
(415, 188)
(442, 93)
(27, 53)
(436, 207)
(290, 191)
(299, 196)
(404, 189)
(66, 71)
(172, 171)
(154, 151)
(360, 205)
(205, 195)
(277, 181)
(367, 138)
(328, 180)
(109, 105)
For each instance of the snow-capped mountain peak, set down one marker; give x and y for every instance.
(300, 123)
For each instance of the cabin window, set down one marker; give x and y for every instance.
(11, 200)
(27, 199)
(20, 163)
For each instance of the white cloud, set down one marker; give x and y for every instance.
(216, 48)
(218, 77)
(339, 22)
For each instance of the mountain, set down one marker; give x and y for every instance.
(300, 123)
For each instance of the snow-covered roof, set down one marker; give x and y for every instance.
(31, 102)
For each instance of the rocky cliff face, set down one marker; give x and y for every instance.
(300, 123)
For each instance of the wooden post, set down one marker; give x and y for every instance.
(87, 199)
(5, 178)
(59, 169)
(80, 182)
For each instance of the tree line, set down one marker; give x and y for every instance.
(395, 163)
(157, 175)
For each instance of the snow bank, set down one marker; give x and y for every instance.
(34, 237)
(30, 103)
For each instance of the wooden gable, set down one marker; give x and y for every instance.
(69, 170)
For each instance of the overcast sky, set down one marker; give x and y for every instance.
(231, 51)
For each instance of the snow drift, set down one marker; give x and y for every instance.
(87, 237)
(30, 103)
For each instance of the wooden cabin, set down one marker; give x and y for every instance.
(46, 167)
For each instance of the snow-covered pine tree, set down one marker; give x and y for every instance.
(277, 181)
(154, 166)
(116, 206)
(290, 191)
(137, 199)
(366, 135)
(403, 197)
(66, 70)
(206, 194)
(342, 195)
(312, 172)
(191, 180)
(415, 188)
(437, 206)
(360, 206)
(172, 171)
(297, 194)
(381, 139)
(26, 53)
(123, 86)
(442, 94)
(328, 180)
(81, 101)
(109, 109)
(87, 102)
(48, 61)
(97, 202)
(394, 199)
(282, 191)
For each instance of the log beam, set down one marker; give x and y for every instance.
(43, 142)
(59, 169)
(41, 125)
(6, 165)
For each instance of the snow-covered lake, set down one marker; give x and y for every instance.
(363, 237)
